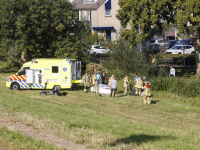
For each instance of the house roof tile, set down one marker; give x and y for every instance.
(82, 5)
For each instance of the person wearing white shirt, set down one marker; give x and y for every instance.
(172, 72)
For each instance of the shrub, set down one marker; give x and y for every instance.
(91, 66)
(176, 85)
(189, 59)
(124, 60)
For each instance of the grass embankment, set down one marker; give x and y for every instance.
(122, 122)
(10, 140)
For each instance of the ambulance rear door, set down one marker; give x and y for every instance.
(78, 70)
(73, 70)
(65, 74)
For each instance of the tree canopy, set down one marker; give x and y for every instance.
(145, 14)
(44, 28)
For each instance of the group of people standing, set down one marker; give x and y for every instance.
(141, 84)
(94, 80)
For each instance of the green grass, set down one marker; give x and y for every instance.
(10, 140)
(122, 122)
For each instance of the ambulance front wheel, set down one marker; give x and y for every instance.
(57, 87)
(15, 86)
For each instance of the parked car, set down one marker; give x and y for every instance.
(97, 49)
(169, 44)
(186, 42)
(178, 49)
(154, 48)
(159, 41)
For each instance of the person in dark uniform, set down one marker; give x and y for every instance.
(103, 77)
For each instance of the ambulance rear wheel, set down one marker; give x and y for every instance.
(57, 87)
(15, 86)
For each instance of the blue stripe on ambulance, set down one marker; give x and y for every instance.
(41, 85)
(33, 86)
(37, 85)
(11, 80)
(22, 84)
(26, 84)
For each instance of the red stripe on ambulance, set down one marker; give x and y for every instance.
(18, 78)
(14, 78)
(23, 78)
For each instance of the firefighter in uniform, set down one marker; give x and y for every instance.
(138, 87)
(86, 82)
(110, 79)
(94, 83)
(126, 84)
(146, 93)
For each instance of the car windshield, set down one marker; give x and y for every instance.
(176, 47)
(184, 42)
(152, 41)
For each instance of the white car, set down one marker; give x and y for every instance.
(97, 49)
(178, 49)
(158, 41)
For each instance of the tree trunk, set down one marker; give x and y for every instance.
(197, 56)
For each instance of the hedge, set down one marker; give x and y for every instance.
(189, 59)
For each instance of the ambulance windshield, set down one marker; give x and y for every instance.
(22, 71)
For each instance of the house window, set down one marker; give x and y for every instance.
(108, 13)
(87, 15)
(108, 8)
(89, 0)
(54, 69)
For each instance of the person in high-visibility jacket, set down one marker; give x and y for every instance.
(146, 93)
(95, 83)
(138, 87)
(110, 79)
(126, 84)
(86, 82)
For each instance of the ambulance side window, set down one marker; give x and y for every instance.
(54, 69)
(79, 66)
(22, 71)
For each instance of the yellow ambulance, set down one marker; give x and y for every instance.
(58, 73)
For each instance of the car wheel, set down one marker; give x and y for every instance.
(57, 87)
(15, 86)
(179, 53)
(192, 53)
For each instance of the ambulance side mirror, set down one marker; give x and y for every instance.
(19, 73)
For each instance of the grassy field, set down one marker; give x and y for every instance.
(10, 140)
(122, 122)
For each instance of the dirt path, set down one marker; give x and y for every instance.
(40, 134)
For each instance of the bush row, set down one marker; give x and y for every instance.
(176, 85)
(189, 59)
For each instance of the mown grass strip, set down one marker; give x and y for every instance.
(10, 140)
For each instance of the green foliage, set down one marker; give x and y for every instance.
(189, 59)
(188, 11)
(146, 14)
(176, 85)
(143, 15)
(123, 60)
(44, 28)
(15, 140)
(91, 66)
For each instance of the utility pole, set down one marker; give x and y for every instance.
(140, 34)
(183, 50)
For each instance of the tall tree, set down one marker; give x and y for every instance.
(141, 16)
(145, 14)
(44, 28)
